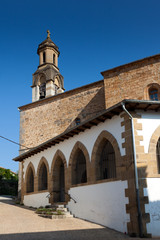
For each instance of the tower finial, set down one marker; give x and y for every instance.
(48, 34)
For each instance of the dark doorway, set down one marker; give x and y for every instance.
(58, 181)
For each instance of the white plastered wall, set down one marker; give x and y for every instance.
(102, 203)
(150, 122)
(153, 207)
(36, 200)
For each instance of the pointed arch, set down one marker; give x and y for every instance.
(58, 80)
(41, 78)
(154, 151)
(30, 178)
(43, 174)
(153, 141)
(105, 156)
(61, 155)
(42, 85)
(79, 162)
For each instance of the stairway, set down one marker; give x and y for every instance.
(55, 211)
(62, 207)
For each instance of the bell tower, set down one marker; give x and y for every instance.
(47, 80)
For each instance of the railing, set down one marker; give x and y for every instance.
(71, 197)
(48, 196)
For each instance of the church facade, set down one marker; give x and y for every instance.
(97, 147)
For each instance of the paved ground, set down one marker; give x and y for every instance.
(18, 223)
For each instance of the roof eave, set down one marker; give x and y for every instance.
(105, 114)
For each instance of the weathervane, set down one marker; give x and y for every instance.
(48, 34)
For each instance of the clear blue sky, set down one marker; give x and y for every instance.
(92, 36)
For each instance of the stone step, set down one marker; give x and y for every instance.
(60, 207)
(68, 215)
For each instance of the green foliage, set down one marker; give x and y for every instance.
(7, 174)
(8, 182)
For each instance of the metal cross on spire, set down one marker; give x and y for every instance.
(48, 34)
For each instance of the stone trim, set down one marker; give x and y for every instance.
(128, 174)
(97, 149)
(152, 167)
(30, 165)
(43, 160)
(61, 155)
(57, 155)
(131, 207)
(142, 174)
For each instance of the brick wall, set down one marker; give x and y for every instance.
(130, 81)
(45, 119)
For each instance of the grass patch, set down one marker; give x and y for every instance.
(49, 211)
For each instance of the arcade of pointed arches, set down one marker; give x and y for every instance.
(80, 170)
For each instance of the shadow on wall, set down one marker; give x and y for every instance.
(93, 108)
(150, 202)
(143, 199)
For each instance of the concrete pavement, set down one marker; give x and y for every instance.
(19, 223)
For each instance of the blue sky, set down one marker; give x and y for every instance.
(92, 36)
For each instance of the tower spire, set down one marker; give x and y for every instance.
(47, 80)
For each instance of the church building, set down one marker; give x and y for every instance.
(95, 148)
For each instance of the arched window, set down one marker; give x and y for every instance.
(158, 155)
(42, 86)
(42, 178)
(42, 91)
(105, 167)
(53, 58)
(153, 94)
(44, 57)
(30, 181)
(79, 173)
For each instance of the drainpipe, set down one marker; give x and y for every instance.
(136, 172)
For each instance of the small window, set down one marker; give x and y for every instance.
(158, 155)
(78, 121)
(53, 58)
(44, 57)
(153, 94)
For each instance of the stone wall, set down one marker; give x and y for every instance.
(47, 118)
(131, 81)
